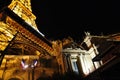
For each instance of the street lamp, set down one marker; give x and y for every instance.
(32, 65)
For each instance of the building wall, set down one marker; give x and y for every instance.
(83, 57)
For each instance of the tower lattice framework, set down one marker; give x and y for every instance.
(19, 35)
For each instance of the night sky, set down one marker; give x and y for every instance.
(57, 19)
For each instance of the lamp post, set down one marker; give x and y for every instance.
(33, 73)
(32, 66)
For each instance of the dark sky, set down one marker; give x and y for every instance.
(57, 19)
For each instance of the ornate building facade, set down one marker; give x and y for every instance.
(104, 50)
(96, 58)
(78, 58)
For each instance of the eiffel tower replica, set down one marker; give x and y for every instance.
(25, 53)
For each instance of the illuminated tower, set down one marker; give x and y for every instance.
(23, 9)
(19, 35)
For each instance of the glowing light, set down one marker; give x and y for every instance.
(24, 66)
(34, 63)
(22, 63)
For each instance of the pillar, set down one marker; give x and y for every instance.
(80, 68)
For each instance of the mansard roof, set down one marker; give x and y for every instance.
(102, 43)
(114, 37)
(106, 44)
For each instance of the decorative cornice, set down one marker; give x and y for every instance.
(21, 26)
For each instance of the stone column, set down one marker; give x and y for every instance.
(79, 64)
(69, 63)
